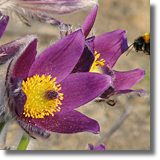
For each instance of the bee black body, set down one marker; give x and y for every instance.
(142, 43)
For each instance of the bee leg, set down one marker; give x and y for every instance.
(145, 53)
(145, 48)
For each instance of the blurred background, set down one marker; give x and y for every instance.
(134, 133)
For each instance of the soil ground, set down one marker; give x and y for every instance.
(134, 134)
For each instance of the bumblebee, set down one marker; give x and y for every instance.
(142, 43)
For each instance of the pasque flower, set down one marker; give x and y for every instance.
(3, 23)
(41, 10)
(42, 94)
(99, 147)
(100, 55)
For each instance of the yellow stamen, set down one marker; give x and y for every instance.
(97, 63)
(43, 97)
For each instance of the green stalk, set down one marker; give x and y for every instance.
(23, 143)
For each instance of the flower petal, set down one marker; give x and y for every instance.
(59, 59)
(123, 81)
(28, 125)
(16, 47)
(80, 88)
(111, 46)
(3, 23)
(126, 80)
(18, 96)
(89, 21)
(68, 122)
(138, 92)
(87, 58)
(99, 147)
(25, 61)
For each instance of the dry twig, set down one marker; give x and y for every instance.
(116, 126)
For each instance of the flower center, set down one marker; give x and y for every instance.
(96, 63)
(43, 97)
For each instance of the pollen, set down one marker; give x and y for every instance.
(97, 63)
(43, 97)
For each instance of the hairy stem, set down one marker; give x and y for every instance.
(23, 143)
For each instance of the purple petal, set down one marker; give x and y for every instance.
(108, 92)
(60, 59)
(111, 46)
(107, 70)
(126, 80)
(139, 92)
(25, 61)
(16, 47)
(81, 88)
(17, 95)
(68, 122)
(90, 43)
(28, 125)
(99, 147)
(3, 23)
(123, 81)
(85, 62)
(89, 21)
(91, 147)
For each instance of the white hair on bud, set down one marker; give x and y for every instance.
(41, 10)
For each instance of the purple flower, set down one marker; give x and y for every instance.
(110, 46)
(40, 10)
(102, 50)
(8, 55)
(100, 55)
(42, 94)
(99, 147)
(3, 23)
